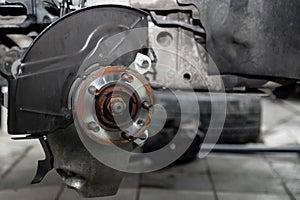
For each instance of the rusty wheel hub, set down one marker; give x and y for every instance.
(112, 104)
(116, 106)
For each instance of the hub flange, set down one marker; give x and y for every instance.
(109, 104)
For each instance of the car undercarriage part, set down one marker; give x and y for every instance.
(231, 40)
(112, 105)
(50, 75)
(177, 23)
(51, 111)
(173, 14)
(243, 36)
(35, 10)
(46, 165)
(8, 56)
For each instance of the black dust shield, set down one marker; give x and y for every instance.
(72, 52)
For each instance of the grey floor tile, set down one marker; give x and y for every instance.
(285, 133)
(245, 174)
(286, 166)
(280, 122)
(242, 166)
(176, 181)
(10, 152)
(243, 184)
(19, 180)
(150, 194)
(293, 186)
(282, 157)
(273, 113)
(192, 176)
(36, 193)
(245, 196)
(196, 167)
(287, 170)
(22, 174)
(123, 194)
(293, 104)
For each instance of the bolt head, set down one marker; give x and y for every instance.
(140, 122)
(127, 77)
(117, 105)
(93, 126)
(146, 105)
(92, 90)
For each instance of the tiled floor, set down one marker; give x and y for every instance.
(217, 177)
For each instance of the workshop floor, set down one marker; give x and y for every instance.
(219, 176)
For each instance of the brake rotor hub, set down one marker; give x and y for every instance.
(112, 104)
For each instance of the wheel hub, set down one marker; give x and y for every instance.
(112, 104)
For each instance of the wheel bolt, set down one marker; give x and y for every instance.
(140, 122)
(128, 137)
(92, 90)
(146, 105)
(93, 126)
(127, 77)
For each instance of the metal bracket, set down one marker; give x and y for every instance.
(36, 12)
(157, 20)
(44, 166)
(142, 63)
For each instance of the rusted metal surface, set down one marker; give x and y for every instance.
(112, 95)
(136, 112)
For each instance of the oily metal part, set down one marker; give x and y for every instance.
(150, 5)
(55, 68)
(112, 105)
(36, 11)
(48, 74)
(112, 102)
(251, 38)
(178, 53)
